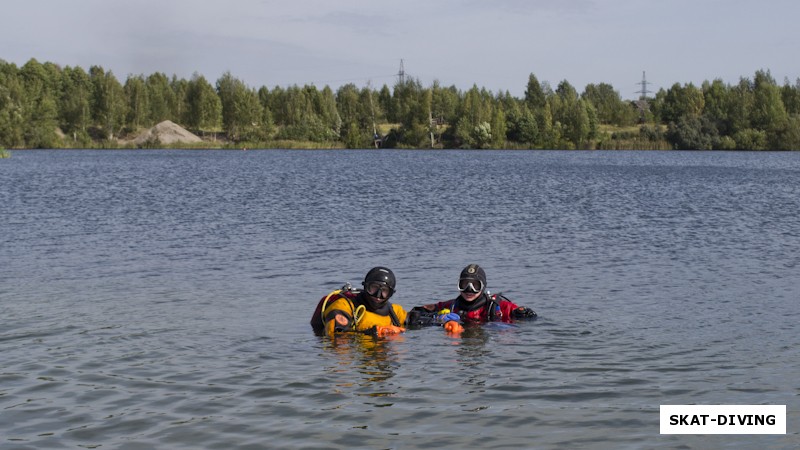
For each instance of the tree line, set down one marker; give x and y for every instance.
(43, 105)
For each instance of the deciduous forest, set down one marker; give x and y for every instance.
(44, 105)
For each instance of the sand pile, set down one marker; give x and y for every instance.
(166, 133)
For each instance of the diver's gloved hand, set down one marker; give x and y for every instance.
(447, 317)
(330, 328)
(453, 327)
(523, 313)
(388, 330)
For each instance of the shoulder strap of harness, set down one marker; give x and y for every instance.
(492, 306)
(393, 316)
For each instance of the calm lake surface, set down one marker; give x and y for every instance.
(161, 299)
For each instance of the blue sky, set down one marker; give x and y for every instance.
(495, 44)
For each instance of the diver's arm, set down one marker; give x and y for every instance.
(337, 321)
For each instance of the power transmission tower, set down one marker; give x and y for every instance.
(401, 74)
(643, 91)
(642, 102)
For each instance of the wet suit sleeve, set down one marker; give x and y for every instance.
(341, 308)
(510, 310)
(435, 307)
(506, 307)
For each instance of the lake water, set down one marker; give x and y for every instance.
(161, 299)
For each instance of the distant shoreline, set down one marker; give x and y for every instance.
(342, 148)
(49, 106)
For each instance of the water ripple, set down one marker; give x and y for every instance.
(157, 299)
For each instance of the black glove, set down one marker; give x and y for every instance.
(420, 317)
(523, 313)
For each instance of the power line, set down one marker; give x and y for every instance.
(342, 80)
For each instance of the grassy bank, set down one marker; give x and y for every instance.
(294, 145)
(635, 137)
(638, 137)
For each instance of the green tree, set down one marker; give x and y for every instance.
(368, 111)
(203, 106)
(679, 101)
(523, 126)
(768, 112)
(413, 111)
(409, 100)
(53, 78)
(576, 123)
(227, 85)
(274, 100)
(265, 98)
(39, 108)
(750, 139)
(177, 107)
(790, 95)
(482, 135)
(138, 102)
(549, 133)
(289, 107)
(788, 136)
(160, 97)
(296, 113)
(498, 128)
(358, 112)
(535, 96)
(75, 105)
(692, 132)
(108, 105)
(267, 122)
(327, 111)
(740, 105)
(347, 105)
(355, 116)
(609, 105)
(561, 104)
(12, 98)
(444, 102)
(716, 105)
(473, 129)
(353, 137)
(386, 103)
(576, 118)
(594, 120)
(242, 113)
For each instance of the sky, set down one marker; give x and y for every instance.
(494, 44)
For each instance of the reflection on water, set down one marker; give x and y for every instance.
(372, 358)
(474, 355)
